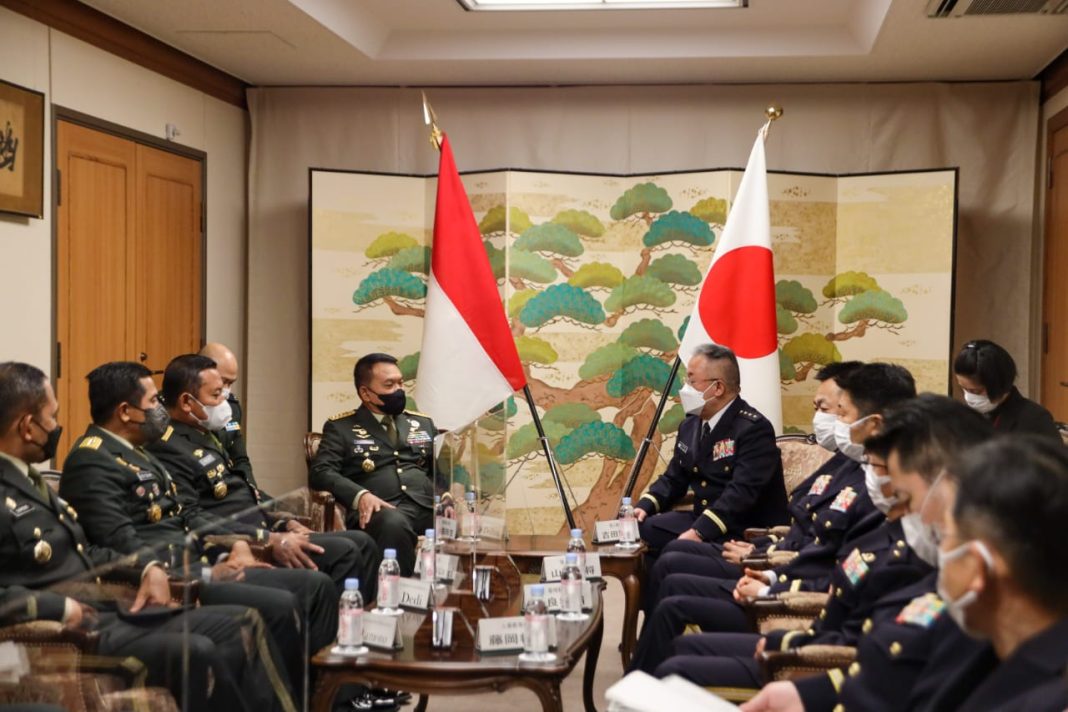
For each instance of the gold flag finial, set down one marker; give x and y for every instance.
(773, 112)
(431, 120)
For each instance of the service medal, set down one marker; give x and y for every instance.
(219, 490)
(42, 552)
(154, 513)
(368, 465)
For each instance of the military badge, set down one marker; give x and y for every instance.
(854, 567)
(722, 449)
(233, 426)
(368, 465)
(139, 490)
(42, 552)
(219, 490)
(154, 513)
(22, 510)
(819, 486)
(206, 460)
(683, 446)
(844, 499)
(144, 475)
(921, 611)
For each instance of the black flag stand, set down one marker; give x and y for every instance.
(550, 458)
(643, 449)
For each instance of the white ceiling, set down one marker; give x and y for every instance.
(436, 42)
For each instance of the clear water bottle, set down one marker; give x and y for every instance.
(389, 585)
(536, 628)
(350, 621)
(471, 516)
(571, 594)
(577, 545)
(628, 531)
(428, 557)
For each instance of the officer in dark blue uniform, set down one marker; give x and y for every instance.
(725, 452)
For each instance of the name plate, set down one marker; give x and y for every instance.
(608, 532)
(554, 595)
(381, 632)
(445, 566)
(492, 528)
(552, 566)
(505, 635)
(414, 593)
(445, 528)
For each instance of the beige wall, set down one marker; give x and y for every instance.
(988, 130)
(78, 76)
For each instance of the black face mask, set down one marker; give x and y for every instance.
(155, 423)
(392, 403)
(48, 447)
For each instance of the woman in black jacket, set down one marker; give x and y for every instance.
(986, 373)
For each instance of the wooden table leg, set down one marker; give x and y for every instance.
(590, 671)
(548, 692)
(423, 700)
(632, 601)
(326, 689)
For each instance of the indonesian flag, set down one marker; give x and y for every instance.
(736, 305)
(469, 362)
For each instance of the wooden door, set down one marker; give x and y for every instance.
(129, 260)
(1055, 298)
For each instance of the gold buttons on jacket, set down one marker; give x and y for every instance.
(37, 532)
(782, 578)
(704, 483)
(827, 525)
(704, 502)
(895, 648)
(866, 628)
(219, 490)
(854, 669)
(80, 548)
(404, 488)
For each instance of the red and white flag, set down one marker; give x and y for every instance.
(468, 362)
(736, 305)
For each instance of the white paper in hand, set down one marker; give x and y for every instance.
(639, 692)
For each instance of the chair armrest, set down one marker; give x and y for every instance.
(262, 552)
(805, 661)
(38, 633)
(757, 563)
(753, 533)
(786, 611)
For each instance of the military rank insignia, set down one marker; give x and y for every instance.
(819, 486)
(844, 499)
(722, 449)
(921, 611)
(854, 567)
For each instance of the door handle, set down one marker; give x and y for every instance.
(143, 357)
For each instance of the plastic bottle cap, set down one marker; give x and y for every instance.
(576, 533)
(537, 590)
(626, 500)
(429, 534)
(571, 557)
(390, 553)
(352, 584)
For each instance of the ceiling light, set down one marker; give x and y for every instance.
(600, 4)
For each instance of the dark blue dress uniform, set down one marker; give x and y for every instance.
(43, 546)
(128, 502)
(735, 472)
(357, 455)
(207, 476)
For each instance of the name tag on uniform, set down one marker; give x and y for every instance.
(363, 441)
(233, 426)
(722, 449)
(683, 446)
(22, 510)
(145, 476)
(206, 460)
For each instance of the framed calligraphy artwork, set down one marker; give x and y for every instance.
(21, 150)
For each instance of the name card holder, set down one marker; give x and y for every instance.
(554, 595)
(445, 565)
(414, 594)
(607, 532)
(505, 635)
(445, 528)
(552, 566)
(381, 632)
(492, 528)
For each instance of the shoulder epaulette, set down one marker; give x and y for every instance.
(92, 442)
(339, 416)
(415, 412)
(168, 433)
(750, 415)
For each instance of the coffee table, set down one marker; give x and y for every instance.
(462, 670)
(527, 551)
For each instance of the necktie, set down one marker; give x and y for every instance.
(391, 429)
(706, 435)
(38, 482)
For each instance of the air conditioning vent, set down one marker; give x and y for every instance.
(962, 8)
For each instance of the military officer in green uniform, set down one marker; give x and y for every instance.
(378, 460)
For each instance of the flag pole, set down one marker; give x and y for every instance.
(553, 470)
(771, 113)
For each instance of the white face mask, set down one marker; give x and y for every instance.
(874, 483)
(218, 415)
(979, 401)
(823, 429)
(920, 537)
(843, 439)
(956, 608)
(693, 400)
